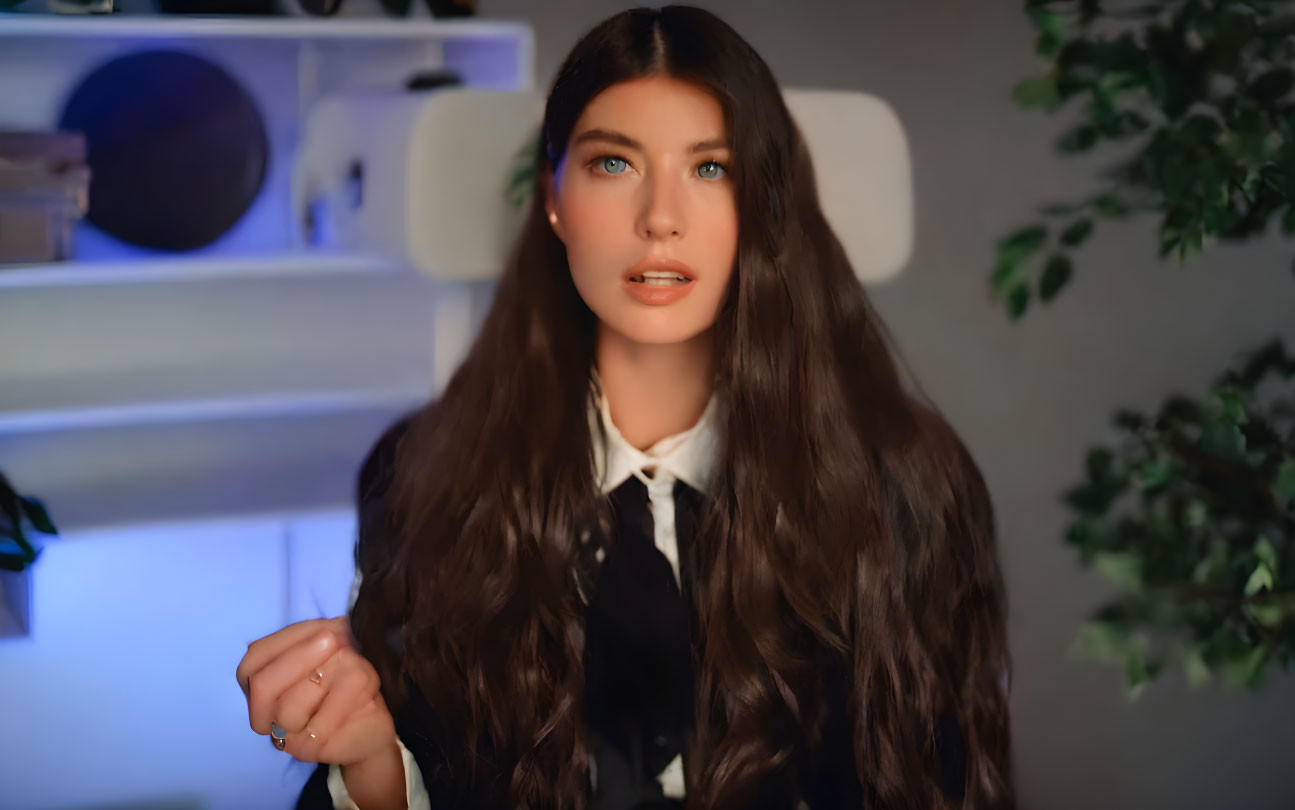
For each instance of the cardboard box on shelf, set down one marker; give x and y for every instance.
(44, 191)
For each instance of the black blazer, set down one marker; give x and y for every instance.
(638, 705)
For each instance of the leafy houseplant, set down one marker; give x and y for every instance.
(1192, 514)
(17, 514)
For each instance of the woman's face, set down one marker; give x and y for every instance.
(644, 178)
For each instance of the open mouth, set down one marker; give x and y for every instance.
(653, 278)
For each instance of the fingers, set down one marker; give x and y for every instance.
(351, 689)
(302, 700)
(267, 684)
(296, 706)
(364, 731)
(264, 650)
(342, 712)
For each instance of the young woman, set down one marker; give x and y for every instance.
(677, 532)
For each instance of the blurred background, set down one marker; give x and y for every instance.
(189, 391)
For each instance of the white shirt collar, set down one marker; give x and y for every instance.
(689, 456)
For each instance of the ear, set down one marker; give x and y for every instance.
(551, 204)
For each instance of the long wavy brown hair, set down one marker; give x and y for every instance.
(849, 525)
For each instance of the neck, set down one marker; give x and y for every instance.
(655, 390)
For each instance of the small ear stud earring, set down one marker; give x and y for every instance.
(553, 218)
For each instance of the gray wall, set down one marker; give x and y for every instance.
(1030, 398)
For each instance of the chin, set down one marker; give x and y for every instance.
(657, 331)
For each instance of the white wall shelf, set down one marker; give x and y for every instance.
(206, 267)
(131, 394)
(351, 30)
(159, 412)
(198, 470)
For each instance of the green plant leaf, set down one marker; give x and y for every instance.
(1214, 563)
(1055, 275)
(1018, 300)
(1048, 45)
(1284, 482)
(1077, 233)
(1013, 251)
(1266, 553)
(35, 511)
(1126, 419)
(1122, 568)
(1155, 472)
(1288, 221)
(1139, 670)
(1038, 92)
(1244, 668)
(1111, 206)
(1196, 514)
(1223, 438)
(1052, 30)
(1270, 615)
(1271, 86)
(1260, 579)
(1229, 404)
(1100, 639)
(1046, 20)
(1006, 275)
(14, 544)
(1103, 486)
(14, 564)
(1024, 241)
(1099, 463)
(1197, 671)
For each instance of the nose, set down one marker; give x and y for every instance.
(662, 214)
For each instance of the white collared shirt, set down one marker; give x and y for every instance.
(689, 456)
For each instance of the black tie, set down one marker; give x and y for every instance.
(638, 659)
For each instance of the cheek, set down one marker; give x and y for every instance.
(588, 211)
(593, 229)
(720, 226)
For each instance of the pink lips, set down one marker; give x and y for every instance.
(653, 295)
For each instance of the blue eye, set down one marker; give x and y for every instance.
(717, 165)
(606, 159)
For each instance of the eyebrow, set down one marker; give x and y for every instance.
(625, 140)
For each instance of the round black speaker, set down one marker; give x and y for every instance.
(177, 149)
(320, 8)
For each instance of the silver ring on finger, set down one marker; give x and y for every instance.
(279, 736)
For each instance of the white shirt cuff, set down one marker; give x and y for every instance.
(415, 792)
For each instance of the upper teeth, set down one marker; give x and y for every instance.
(662, 274)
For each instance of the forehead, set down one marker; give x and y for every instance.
(657, 111)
